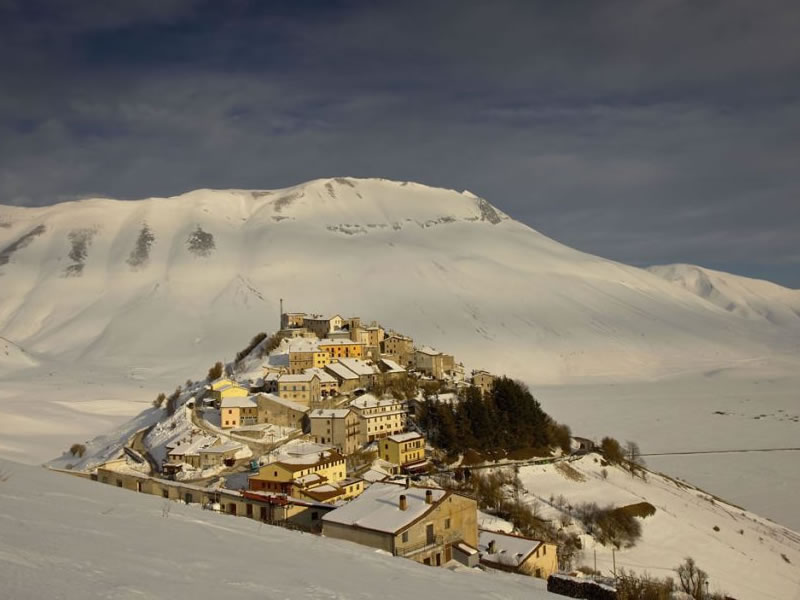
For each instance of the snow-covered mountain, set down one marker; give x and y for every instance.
(173, 283)
(754, 299)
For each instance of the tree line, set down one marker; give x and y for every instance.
(506, 419)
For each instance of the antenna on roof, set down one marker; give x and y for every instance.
(280, 317)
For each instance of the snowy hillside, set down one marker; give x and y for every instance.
(88, 540)
(749, 298)
(728, 542)
(13, 357)
(170, 283)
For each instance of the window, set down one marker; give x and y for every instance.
(314, 516)
(165, 493)
(405, 536)
(447, 523)
(544, 550)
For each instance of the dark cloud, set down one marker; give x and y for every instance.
(647, 132)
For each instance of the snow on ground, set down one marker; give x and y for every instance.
(752, 407)
(171, 429)
(744, 558)
(79, 539)
(493, 523)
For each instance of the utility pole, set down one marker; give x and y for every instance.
(594, 573)
(280, 317)
(614, 561)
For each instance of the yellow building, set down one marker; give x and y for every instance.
(299, 361)
(517, 554)
(417, 523)
(342, 348)
(403, 449)
(225, 388)
(330, 493)
(237, 411)
(280, 411)
(379, 417)
(328, 384)
(327, 466)
(303, 388)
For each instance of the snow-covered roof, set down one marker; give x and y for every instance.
(192, 446)
(284, 402)
(324, 376)
(238, 402)
(510, 550)
(392, 366)
(370, 401)
(373, 474)
(311, 478)
(405, 437)
(303, 345)
(357, 366)
(429, 351)
(329, 413)
(378, 508)
(298, 463)
(222, 448)
(298, 378)
(341, 371)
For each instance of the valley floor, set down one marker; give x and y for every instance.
(750, 408)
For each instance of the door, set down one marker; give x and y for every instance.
(249, 510)
(429, 537)
(438, 559)
(264, 513)
(232, 509)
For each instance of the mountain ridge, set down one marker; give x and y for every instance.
(174, 281)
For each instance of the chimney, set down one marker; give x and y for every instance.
(491, 547)
(403, 502)
(428, 497)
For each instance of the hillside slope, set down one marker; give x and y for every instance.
(88, 540)
(171, 283)
(753, 299)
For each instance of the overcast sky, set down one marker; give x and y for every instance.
(647, 132)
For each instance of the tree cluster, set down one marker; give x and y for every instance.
(242, 354)
(507, 419)
(215, 372)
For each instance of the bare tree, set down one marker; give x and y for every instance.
(692, 578)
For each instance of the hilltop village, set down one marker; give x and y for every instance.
(312, 428)
(348, 430)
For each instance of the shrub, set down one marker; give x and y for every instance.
(609, 525)
(159, 401)
(640, 509)
(242, 354)
(612, 451)
(77, 450)
(172, 401)
(642, 587)
(215, 372)
(560, 436)
(716, 527)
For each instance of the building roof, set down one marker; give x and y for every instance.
(341, 371)
(192, 446)
(510, 550)
(374, 474)
(329, 413)
(324, 376)
(290, 404)
(429, 351)
(238, 402)
(220, 383)
(299, 378)
(370, 401)
(357, 366)
(392, 366)
(405, 437)
(378, 508)
(222, 448)
(303, 345)
(299, 463)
